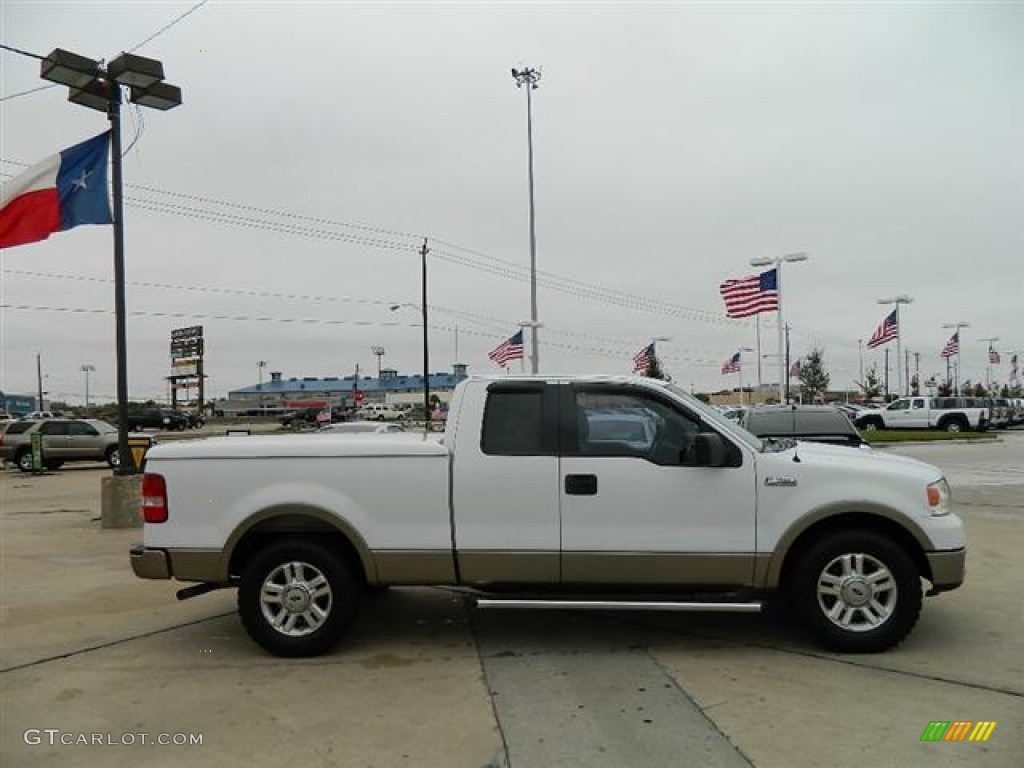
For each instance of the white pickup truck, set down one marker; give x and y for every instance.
(533, 498)
(952, 414)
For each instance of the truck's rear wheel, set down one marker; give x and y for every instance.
(870, 425)
(856, 592)
(954, 425)
(297, 598)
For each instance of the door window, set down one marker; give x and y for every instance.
(513, 423)
(52, 428)
(80, 428)
(632, 424)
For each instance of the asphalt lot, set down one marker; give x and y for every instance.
(86, 648)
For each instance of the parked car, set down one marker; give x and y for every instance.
(40, 415)
(158, 418)
(816, 423)
(380, 412)
(63, 440)
(301, 416)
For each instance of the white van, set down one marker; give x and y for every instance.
(380, 412)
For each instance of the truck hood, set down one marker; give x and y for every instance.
(843, 460)
(309, 446)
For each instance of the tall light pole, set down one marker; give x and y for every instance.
(379, 352)
(259, 368)
(86, 368)
(530, 78)
(988, 362)
(99, 88)
(777, 262)
(956, 370)
(533, 331)
(897, 300)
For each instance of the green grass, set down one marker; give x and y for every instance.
(908, 435)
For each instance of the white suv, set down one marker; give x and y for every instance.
(380, 412)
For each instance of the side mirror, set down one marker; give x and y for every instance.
(709, 450)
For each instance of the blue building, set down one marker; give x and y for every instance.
(281, 394)
(17, 405)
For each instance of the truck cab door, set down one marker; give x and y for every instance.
(505, 484)
(635, 506)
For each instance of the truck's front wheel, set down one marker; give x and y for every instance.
(297, 598)
(856, 592)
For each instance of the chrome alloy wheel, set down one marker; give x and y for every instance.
(296, 599)
(857, 592)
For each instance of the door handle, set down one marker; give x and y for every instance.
(581, 485)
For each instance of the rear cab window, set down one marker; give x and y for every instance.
(519, 420)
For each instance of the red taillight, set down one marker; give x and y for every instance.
(154, 498)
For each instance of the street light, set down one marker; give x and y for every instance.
(777, 261)
(956, 369)
(97, 88)
(897, 300)
(530, 78)
(86, 368)
(988, 365)
(379, 352)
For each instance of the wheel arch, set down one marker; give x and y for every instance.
(279, 521)
(799, 538)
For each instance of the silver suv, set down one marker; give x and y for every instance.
(63, 440)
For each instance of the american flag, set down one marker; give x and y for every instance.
(952, 346)
(750, 295)
(993, 356)
(795, 369)
(510, 349)
(643, 358)
(887, 331)
(732, 365)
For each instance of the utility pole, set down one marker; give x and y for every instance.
(379, 352)
(917, 371)
(786, 367)
(39, 382)
(530, 78)
(426, 346)
(86, 368)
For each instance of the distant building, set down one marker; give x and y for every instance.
(280, 394)
(18, 405)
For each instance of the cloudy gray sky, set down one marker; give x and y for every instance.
(282, 205)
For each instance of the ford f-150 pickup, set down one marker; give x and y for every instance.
(537, 496)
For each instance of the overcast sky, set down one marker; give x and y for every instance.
(282, 205)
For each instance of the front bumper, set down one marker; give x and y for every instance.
(947, 569)
(150, 563)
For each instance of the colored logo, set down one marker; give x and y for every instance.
(958, 730)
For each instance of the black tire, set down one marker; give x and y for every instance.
(871, 613)
(954, 425)
(24, 461)
(870, 425)
(112, 457)
(294, 566)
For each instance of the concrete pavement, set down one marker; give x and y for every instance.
(87, 648)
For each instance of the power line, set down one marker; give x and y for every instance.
(31, 55)
(164, 28)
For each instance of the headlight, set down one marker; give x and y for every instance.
(938, 497)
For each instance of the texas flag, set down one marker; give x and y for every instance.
(59, 193)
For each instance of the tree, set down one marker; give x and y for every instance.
(814, 378)
(654, 370)
(872, 385)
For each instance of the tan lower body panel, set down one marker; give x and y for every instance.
(503, 567)
(414, 566)
(720, 569)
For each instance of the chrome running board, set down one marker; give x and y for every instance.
(619, 605)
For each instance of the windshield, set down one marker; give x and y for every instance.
(709, 414)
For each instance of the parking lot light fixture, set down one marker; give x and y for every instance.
(777, 262)
(897, 300)
(91, 85)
